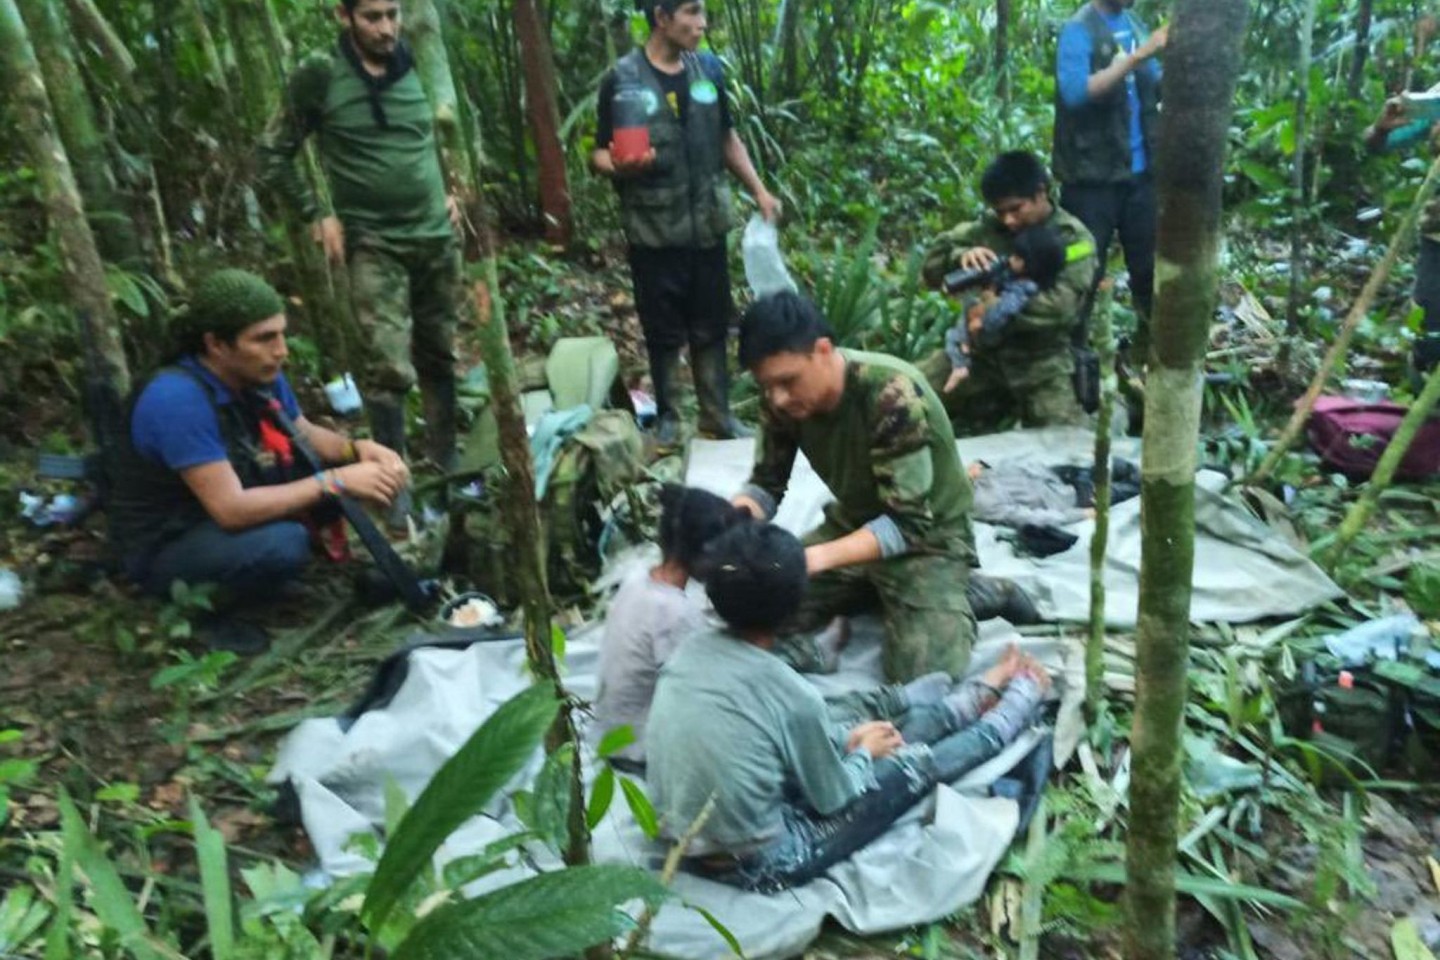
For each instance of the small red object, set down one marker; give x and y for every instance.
(1347, 680)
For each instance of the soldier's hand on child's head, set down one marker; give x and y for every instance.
(957, 376)
(978, 258)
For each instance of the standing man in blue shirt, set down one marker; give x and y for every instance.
(1107, 97)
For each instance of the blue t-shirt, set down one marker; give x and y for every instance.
(1073, 72)
(174, 424)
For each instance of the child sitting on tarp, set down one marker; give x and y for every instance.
(652, 612)
(792, 796)
(1036, 261)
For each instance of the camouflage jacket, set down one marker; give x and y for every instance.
(1043, 327)
(886, 451)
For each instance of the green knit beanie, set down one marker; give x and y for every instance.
(227, 302)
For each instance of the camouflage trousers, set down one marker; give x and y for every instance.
(1004, 390)
(405, 295)
(921, 599)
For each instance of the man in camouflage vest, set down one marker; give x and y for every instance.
(390, 219)
(675, 207)
(897, 538)
(1029, 375)
(1393, 130)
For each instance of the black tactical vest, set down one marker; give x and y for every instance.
(150, 505)
(1092, 143)
(684, 199)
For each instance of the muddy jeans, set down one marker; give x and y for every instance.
(809, 844)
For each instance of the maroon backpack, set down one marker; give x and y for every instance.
(1351, 434)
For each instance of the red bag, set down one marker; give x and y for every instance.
(1350, 435)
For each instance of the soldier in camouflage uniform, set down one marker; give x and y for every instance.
(1392, 130)
(1029, 375)
(898, 534)
(390, 220)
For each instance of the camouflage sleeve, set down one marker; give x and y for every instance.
(297, 117)
(1059, 307)
(776, 445)
(904, 467)
(943, 254)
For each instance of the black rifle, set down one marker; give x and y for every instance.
(418, 597)
(992, 276)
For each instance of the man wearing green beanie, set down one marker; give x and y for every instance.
(207, 488)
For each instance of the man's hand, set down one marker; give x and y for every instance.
(1154, 44)
(978, 258)
(958, 375)
(368, 451)
(1392, 116)
(372, 482)
(880, 738)
(630, 166)
(331, 237)
(749, 503)
(452, 208)
(769, 204)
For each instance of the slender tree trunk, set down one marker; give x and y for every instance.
(209, 53)
(1002, 49)
(85, 275)
(538, 63)
(1335, 356)
(89, 21)
(1298, 206)
(786, 81)
(1363, 17)
(1103, 342)
(1205, 50)
(259, 71)
(114, 230)
(1360, 513)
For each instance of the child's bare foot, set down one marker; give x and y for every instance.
(1032, 668)
(1005, 668)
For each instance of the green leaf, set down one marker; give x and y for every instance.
(214, 884)
(492, 756)
(640, 807)
(124, 288)
(721, 929)
(57, 938)
(10, 736)
(601, 795)
(1405, 941)
(1422, 590)
(1191, 884)
(111, 900)
(21, 917)
(615, 740)
(119, 793)
(551, 915)
(552, 798)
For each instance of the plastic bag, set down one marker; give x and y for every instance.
(764, 267)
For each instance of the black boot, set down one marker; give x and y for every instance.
(712, 389)
(387, 427)
(664, 374)
(992, 597)
(439, 399)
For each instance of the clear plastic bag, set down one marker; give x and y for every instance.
(764, 267)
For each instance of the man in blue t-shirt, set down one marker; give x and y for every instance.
(207, 488)
(1107, 95)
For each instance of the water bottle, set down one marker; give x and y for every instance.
(630, 118)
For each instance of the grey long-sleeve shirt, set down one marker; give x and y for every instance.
(1013, 494)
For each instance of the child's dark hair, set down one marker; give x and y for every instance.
(1014, 174)
(1044, 254)
(780, 323)
(690, 518)
(755, 576)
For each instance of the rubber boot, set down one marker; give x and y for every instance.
(665, 374)
(387, 426)
(992, 597)
(712, 389)
(440, 406)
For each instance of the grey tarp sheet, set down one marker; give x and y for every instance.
(932, 863)
(1244, 571)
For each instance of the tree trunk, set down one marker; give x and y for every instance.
(1102, 340)
(538, 62)
(113, 228)
(1002, 50)
(88, 20)
(85, 275)
(1363, 17)
(1298, 206)
(209, 53)
(1204, 49)
(786, 81)
(259, 70)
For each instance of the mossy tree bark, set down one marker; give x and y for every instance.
(1102, 340)
(90, 22)
(1003, 11)
(1205, 50)
(1299, 218)
(63, 205)
(1364, 16)
(537, 59)
(85, 145)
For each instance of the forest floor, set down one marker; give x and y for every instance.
(114, 701)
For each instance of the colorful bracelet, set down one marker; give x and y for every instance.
(330, 483)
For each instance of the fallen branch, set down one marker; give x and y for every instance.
(667, 874)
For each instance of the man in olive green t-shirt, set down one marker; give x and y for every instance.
(898, 534)
(389, 219)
